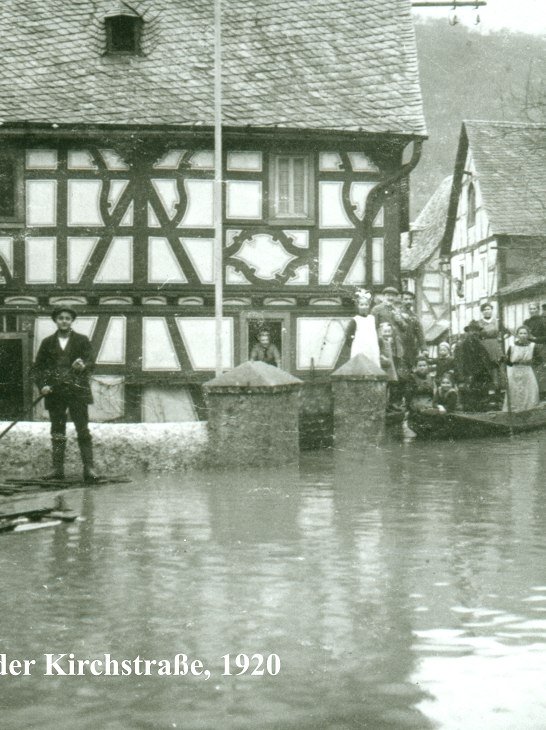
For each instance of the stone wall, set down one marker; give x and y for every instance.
(119, 448)
(265, 424)
(316, 414)
(359, 413)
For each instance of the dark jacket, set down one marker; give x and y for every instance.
(419, 392)
(53, 367)
(413, 338)
(268, 354)
(537, 328)
(443, 365)
(472, 360)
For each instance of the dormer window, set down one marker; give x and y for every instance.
(123, 33)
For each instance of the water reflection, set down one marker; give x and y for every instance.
(405, 588)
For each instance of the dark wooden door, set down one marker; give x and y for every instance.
(13, 384)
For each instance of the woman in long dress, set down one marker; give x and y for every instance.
(522, 382)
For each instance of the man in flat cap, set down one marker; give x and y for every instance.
(63, 365)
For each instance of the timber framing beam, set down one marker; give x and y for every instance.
(449, 4)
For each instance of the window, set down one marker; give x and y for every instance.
(291, 184)
(8, 323)
(7, 187)
(11, 180)
(123, 34)
(460, 282)
(471, 213)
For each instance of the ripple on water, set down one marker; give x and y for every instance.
(390, 587)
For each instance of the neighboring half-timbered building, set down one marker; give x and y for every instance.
(422, 267)
(106, 182)
(496, 225)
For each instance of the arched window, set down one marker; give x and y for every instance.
(123, 33)
(471, 214)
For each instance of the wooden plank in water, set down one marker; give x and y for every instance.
(35, 526)
(18, 485)
(69, 482)
(31, 514)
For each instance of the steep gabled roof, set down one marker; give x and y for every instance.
(428, 228)
(303, 64)
(510, 162)
(524, 283)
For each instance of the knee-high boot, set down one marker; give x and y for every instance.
(86, 452)
(58, 448)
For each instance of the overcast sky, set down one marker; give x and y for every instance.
(528, 16)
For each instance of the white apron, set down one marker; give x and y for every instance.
(365, 341)
(522, 380)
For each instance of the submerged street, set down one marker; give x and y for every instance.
(403, 589)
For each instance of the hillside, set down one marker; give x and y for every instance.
(466, 75)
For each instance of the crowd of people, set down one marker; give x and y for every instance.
(478, 373)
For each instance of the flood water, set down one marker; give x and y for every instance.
(403, 589)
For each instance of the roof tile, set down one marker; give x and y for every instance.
(309, 64)
(427, 229)
(510, 160)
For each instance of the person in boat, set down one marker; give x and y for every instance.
(63, 365)
(446, 395)
(473, 369)
(413, 336)
(444, 363)
(264, 350)
(522, 389)
(536, 325)
(492, 334)
(420, 387)
(361, 334)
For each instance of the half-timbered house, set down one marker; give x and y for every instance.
(495, 235)
(422, 267)
(106, 182)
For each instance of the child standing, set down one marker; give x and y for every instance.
(361, 334)
(390, 362)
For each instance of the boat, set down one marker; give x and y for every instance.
(431, 424)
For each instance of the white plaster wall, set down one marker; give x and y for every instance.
(464, 236)
(515, 313)
(479, 262)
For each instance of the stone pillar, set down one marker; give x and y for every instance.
(360, 401)
(253, 416)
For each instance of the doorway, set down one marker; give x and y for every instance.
(12, 376)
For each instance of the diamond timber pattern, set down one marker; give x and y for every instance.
(303, 64)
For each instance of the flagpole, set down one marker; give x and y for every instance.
(218, 213)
